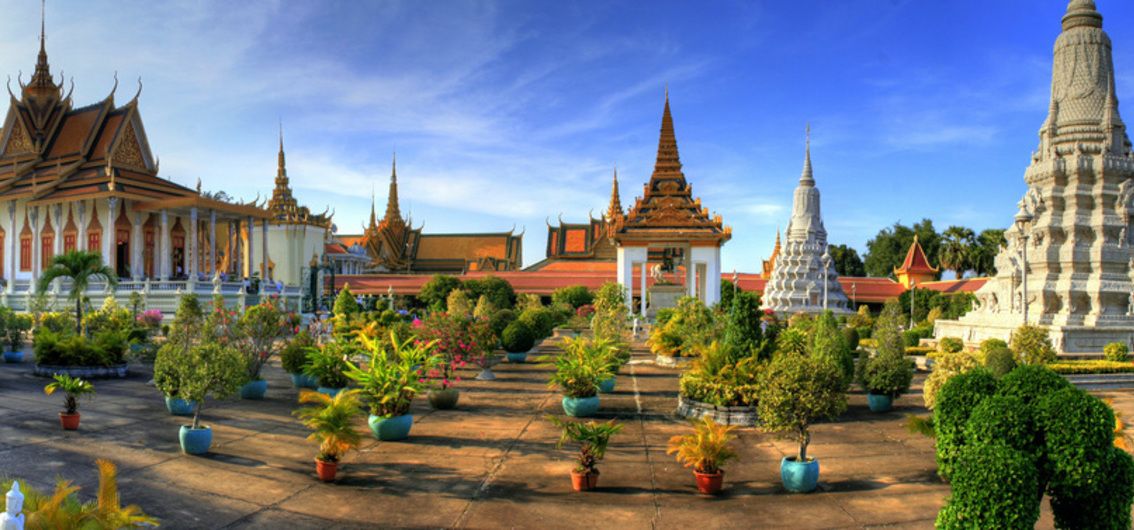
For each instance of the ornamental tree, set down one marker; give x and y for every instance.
(797, 391)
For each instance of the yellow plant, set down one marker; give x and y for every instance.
(707, 448)
(63, 510)
(1121, 440)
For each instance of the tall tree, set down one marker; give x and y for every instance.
(958, 248)
(847, 262)
(988, 245)
(887, 250)
(81, 267)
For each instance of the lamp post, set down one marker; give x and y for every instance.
(826, 272)
(1024, 220)
(913, 284)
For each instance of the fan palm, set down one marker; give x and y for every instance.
(332, 421)
(81, 267)
(956, 252)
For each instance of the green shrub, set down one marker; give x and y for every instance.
(499, 321)
(1031, 383)
(988, 345)
(345, 304)
(951, 345)
(828, 344)
(663, 316)
(435, 292)
(945, 366)
(1105, 503)
(1091, 367)
(1032, 345)
(732, 386)
(498, 291)
(742, 327)
(850, 335)
(1004, 420)
(911, 338)
(517, 337)
(798, 390)
(1000, 361)
(293, 356)
(994, 486)
(1078, 431)
(107, 348)
(887, 374)
(1117, 352)
(955, 403)
(610, 319)
(865, 332)
(575, 296)
(920, 350)
(541, 321)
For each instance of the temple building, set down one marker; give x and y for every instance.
(803, 275)
(85, 179)
(583, 246)
(915, 269)
(1069, 263)
(395, 246)
(297, 237)
(769, 264)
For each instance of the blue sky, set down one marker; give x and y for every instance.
(509, 113)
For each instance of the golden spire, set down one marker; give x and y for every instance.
(393, 213)
(615, 208)
(668, 162)
(281, 164)
(41, 83)
(373, 217)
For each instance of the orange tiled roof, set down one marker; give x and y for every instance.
(916, 262)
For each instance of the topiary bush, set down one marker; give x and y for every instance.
(575, 296)
(945, 366)
(1078, 430)
(345, 304)
(540, 320)
(951, 345)
(1032, 345)
(1000, 361)
(1005, 420)
(994, 486)
(1105, 503)
(850, 335)
(955, 403)
(293, 356)
(887, 374)
(1116, 351)
(1031, 383)
(517, 337)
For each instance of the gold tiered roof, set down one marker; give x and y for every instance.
(283, 206)
(667, 209)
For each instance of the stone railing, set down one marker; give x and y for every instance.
(163, 295)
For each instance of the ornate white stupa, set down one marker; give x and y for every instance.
(1075, 214)
(803, 276)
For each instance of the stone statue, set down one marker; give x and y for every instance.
(657, 273)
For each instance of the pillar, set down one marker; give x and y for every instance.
(251, 247)
(14, 236)
(58, 242)
(81, 242)
(710, 257)
(137, 241)
(627, 256)
(644, 289)
(212, 243)
(166, 249)
(109, 233)
(192, 257)
(33, 216)
(264, 235)
(690, 273)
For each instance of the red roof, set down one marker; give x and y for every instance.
(916, 262)
(966, 285)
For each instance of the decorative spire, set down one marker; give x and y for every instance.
(393, 213)
(807, 178)
(281, 164)
(373, 216)
(615, 208)
(668, 162)
(1081, 13)
(41, 83)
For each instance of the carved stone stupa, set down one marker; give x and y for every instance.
(803, 265)
(1075, 216)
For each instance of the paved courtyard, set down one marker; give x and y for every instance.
(490, 464)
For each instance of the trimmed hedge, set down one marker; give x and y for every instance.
(1003, 420)
(1078, 430)
(1000, 361)
(518, 337)
(994, 486)
(920, 350)
(1103, 505)
(1032, 383)
(1091, 367)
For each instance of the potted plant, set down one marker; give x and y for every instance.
(390, 380)
(257, 332)
(327, 365)
(293, 357)
(74, 388)
(797, 390)
(578, 371)
(441, 379)
(331, 421)
(517, 339)
(166, 379)
(593, 438)
(705, 450)
(616, 354)
(206, 370)
(885, 377)
(15, 326)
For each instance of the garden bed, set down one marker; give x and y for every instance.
(1091, 367)
(119, 371)
(744, 416)
(673, 362)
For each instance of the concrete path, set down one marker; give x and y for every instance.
(490, 464)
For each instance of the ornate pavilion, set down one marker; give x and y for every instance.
(85, 179)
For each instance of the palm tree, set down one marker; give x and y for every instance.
(957, 249)
(80, 266)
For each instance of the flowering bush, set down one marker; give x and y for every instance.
(150, 318)
(585, 311)
(460, 340)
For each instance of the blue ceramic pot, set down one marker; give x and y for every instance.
(800, 477)
(254, 389)
(606, 386)
(517, 357)
(196, 441)
(329, 391)
(879, 402)
(581, 407)
(391, 429)
(304, 381)
(13, 356)
(180, 407)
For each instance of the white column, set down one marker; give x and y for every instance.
(644, 274)
(137, 256)
(81, 242)
(212, 243)
(166, 249)
(710, 257)
(58, 242)
(36, 244)
(264, 234)
(109, 233)
(626, 276)
(192, 257)
(14, 236)
(251, 247)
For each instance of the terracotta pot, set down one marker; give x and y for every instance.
(709, 483)
(326, 470)
(584, 481)
(70, 421)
